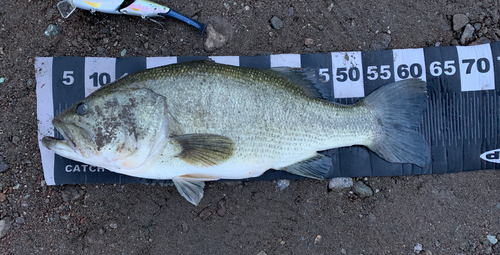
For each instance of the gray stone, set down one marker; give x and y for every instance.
(492, 239)
(71, 193)
(467, 34)
(185, 227)
(362, 190)
(218, 32)
(5, 225)
(51, 30)
(20, 220)
(283, 184)
(418, 248)
(477, 26)
(482, 40)
(459, 21)
(340, 183)
(381, 41)
(277, 23)
(3, 166)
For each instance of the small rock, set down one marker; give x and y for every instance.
(2, 197)
(290, 11)
(317, 240)
(65, 217)
(124, 51)
(493, 239)
(214, 39)
(467, 34)
(437, 243)
(477, 26)
(427, 252)
(381, 41)
(20, 220)
(283, 184)
(5, 225)
(51, 30)
(185, 227)
(221, 207)
(71, 193)
(343, 251)
(277, 23)
(459, 21)
(3, 166)
(15, 139)
(308, 42)
(262, 253)
(340, 183)
(113, 225)
(418, 248)
(497, 206)
(205, 214)
(481, 40)
(362, 190)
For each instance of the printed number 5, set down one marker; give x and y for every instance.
(68, 78)
(324, 72)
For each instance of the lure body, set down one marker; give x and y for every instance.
(142, 8)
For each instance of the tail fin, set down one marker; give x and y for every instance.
(398, 107)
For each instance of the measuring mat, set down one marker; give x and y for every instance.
(461, 123)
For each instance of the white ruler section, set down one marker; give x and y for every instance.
(409, 63)
(45, 114)
(347, 68)
(98, 72)
(476, 67)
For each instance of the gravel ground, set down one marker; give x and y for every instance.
(434, 214)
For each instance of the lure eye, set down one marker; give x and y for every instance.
(81, 108)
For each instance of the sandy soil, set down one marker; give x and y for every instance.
(446, 214)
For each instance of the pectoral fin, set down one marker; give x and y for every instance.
(204, 150)
(315, 167)
(191, 186)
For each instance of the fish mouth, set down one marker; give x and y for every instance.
(67, 145)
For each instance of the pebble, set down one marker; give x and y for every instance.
(381, 41)
(277, 23)
(185, 227)
(20, 220)
(3, 166)
(221, 207)
(477, 26)
(290, 11)
(2, 79)
(459, 21)
(340, 183)
(308, 41)
(481, 40)
(5, 225)
(214, 39)
(418, 248)
(317, 240)
(493, 239)
(283, 184)
(362, 190)
(262, 253)
(113, 225)
(343, 251)
(124, 51)
(205, 214)
(71, 193)
(2, 197)
(467, 34)
(51, 30)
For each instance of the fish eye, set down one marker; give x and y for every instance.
(81, 108)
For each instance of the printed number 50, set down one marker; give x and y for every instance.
(68, 78)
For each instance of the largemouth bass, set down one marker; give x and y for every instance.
(202, 121)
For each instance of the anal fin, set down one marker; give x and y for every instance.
(316, 167)
(192, 190)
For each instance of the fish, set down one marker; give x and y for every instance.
(202, 121)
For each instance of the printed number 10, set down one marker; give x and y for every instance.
(101, 79)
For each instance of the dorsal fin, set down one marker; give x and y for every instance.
(303, 78)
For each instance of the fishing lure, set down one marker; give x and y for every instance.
(142, 8)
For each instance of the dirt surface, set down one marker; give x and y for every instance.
(446, 214)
